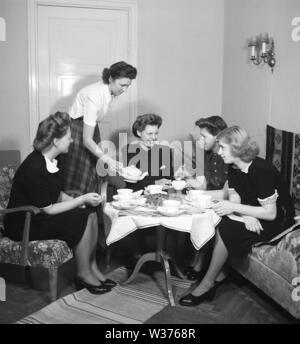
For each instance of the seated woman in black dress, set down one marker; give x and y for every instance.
(147, 154)
(39, 182)
(257, 194)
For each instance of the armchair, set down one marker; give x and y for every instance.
(49, 254)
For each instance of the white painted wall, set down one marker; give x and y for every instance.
(180, 54)
(180, 44)
(252, 96)
(14, 115)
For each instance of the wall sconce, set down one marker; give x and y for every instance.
(262, 50)
(2, 30)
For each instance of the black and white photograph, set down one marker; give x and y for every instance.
(150, 165)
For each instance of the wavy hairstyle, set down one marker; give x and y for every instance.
(54, 126)
(119, 70)
(143, 120)
(240, 143)
(213, 124)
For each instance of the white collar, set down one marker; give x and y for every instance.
(51, 165)
(245, 169)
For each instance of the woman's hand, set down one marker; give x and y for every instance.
(252, 224)
(113, 164)
(92, 199)
(223, 207)
(164, 181)
(182, 173)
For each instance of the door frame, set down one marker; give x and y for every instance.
(130, 6)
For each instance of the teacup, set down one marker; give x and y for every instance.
(124, 191)
(203, 201)
(155, 188)
(171, 203)
(126, 198)
(171, 207)
(178, 184)
(194, 194)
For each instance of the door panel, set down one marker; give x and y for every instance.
(74, 45)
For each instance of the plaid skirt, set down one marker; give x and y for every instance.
(79, 164)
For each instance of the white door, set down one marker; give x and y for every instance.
(74, 44)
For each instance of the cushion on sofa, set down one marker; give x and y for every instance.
(283, 258)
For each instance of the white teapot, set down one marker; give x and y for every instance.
(131, 171)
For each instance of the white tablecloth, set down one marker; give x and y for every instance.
(200, 226)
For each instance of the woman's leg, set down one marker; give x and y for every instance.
(218, 259)
(84, 251)
(200, 257)
(93, 261)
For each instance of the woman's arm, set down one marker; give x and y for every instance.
(90, 144)
(64, 197)
(265, 212)
(233, 205)
(92, 199)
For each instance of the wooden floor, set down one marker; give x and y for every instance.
(236, 302)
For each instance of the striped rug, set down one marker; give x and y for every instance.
(131, 304)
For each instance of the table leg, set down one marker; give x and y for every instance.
(148, 257)
(161, 257)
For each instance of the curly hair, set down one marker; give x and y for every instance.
(213, 124)
(240, 143)
(119, 70)
(143, 120)
(54, 126)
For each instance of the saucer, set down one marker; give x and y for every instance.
(165, 212)
(123, 206)
(124, 200)
(131, 180)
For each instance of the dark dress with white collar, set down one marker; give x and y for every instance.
(34, 185)
(157, 161)
(255, 187)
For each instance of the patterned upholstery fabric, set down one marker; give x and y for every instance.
(283, 150)
(45, 253)
(283, 258)
(6, 177)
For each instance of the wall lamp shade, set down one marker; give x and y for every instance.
(2, 30)
(262, 50)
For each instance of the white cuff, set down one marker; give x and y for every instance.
(269, 200)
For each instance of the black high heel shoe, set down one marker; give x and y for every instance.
(109, 283)
(93, 289)
(191, 300)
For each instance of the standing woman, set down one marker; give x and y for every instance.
(258, 194)
(38, 181)
(88, 109)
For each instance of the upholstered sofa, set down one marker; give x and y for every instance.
(275, 267)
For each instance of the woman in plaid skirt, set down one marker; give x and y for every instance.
(88, 109)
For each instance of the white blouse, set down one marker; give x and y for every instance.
(92, 103)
